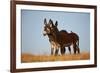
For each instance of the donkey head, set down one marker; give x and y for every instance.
(49, 27)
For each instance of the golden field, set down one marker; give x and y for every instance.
(25, 58)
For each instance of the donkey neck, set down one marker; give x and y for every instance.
(53, 37)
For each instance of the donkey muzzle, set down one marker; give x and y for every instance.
(44, 33)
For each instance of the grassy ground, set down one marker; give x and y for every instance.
(46, 58)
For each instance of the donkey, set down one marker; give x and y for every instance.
(66, 39)
(62, 38)
(55, 46)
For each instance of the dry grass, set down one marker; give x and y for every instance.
(45, 58)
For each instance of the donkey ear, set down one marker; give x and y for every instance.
(56, 24)
(51, 25)
(50, 21)
(45, 21)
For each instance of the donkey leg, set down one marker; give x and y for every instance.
(78, 46)
(74, 47)
(52, 51)
(63, 49)
(56, 51)
(78, 49)
(69, 49)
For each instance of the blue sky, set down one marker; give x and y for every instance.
(32, 23)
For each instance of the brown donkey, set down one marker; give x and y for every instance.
(60, 39)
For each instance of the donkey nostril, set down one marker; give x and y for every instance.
(44, 34)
